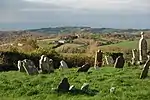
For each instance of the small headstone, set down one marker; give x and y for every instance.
(29, 67)
(84, 68)
(63, 64)
(20, 66)
(119, 62)
(64, 85)
(85, 87)
(72, 88)
(145, 69)
(98, 59)
(142, 48)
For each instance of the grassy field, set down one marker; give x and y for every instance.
(19, 86)
(126, 45)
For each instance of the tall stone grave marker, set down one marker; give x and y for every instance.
(142, 48)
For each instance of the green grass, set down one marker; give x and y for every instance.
(125, 44)
(19, 86)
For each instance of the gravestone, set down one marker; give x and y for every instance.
(145, 69)
(29, 67)
(85, 87)
(20, 66)
(142, 48)
(108, 60)
(134, 57)
(98, 59)
(64, 85)
(84, 68)
(46, 65)
(63, 64)
(72, 88)
(115, 56)
(119, 62)
(41, 61)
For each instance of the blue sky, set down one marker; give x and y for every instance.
(25, 14)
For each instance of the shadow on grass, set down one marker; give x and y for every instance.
(89, 92)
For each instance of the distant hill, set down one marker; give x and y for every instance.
(84, 29)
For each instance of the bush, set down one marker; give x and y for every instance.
(77, 60)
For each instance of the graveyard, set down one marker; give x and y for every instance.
(88, 67)
(127, 84)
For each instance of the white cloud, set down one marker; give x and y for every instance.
(111, 5)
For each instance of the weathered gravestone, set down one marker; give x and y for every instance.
(115, 56)
(20, 66)
(119, 62)
(145, 69)
(46, 65)
(142, 48)
(134, 57)
(29, 67)
(63, 65)
(85, 87)
(108, 60)
(64, 85)
(84, 68)
(98, 59)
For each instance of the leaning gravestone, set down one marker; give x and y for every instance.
(63, 64)
(119, 62)
(46, 65)
(84, 68)
(142, 48)
(85, 87)
(64, 85)
(145, 69)
(98, 59)
(20, 66)
(29, 67)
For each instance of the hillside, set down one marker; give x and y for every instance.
(19, 86)
(56, 30)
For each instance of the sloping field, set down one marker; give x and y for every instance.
(19, 86)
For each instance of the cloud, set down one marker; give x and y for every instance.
(100, 5)
(106, 13)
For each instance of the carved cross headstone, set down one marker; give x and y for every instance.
(145, 69)
(142, 48)
(119, 62)
(29, 67)
(98, 59)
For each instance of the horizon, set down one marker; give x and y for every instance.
(35, 14)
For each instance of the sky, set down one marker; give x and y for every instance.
(28, 14)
